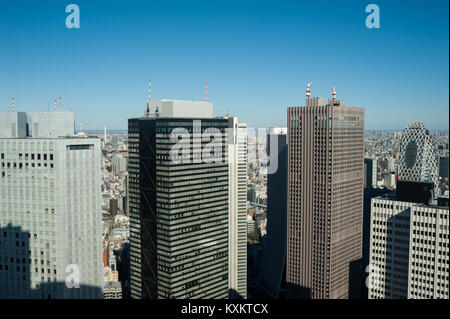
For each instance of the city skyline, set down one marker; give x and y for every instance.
(101, 69)
(224, 150)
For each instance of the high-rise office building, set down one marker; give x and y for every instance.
(179, 179)
(418, 161)
(237, 203)
(370, 191)
(325, 197)
(119, 164)
(271, 278)
(50, 202)
(52, 124)
(13, 124)
(409, 250)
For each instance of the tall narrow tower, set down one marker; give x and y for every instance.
(325, 197)
(179, 203)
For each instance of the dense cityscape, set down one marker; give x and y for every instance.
(261, 209)
(245, 196)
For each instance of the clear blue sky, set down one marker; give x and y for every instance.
(257, 57)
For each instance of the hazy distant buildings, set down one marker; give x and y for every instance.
(325, 197)
(271, 278)
(50, 202)
(179, 202)
(119, 164)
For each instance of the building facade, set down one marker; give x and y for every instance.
(409, 250)
(13, 124)
(237, 203)
(50, 193)
(418, 161)
(179, 202)
(370, 172)
(52, 124)
(325, 197)
(271, 278)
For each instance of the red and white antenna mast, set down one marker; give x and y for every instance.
(206, 91)
(60, 104)
(54, 108)
(308, 90)
(334, 93)
(147, 110)
(13, 105)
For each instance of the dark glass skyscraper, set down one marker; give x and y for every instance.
(271, 278)
(178, 207)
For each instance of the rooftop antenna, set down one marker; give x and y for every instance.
(206, 91)
(54, 108)
(334, 94)
(228, 112)
(60, 104)
(308, 90)
(147, 111)
(13, 106)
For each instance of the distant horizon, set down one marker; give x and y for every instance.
(366, 130)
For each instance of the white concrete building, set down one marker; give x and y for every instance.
(52, 124)
(237, 201)
(409, 250)
(119, 164)
(13, 124)
(50, 218)
(181, 108)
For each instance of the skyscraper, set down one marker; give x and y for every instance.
(50, 193)
(325, 197)
(418, 161)
(271, 278)
(237, 203)
(179, 202)
(409, 250)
